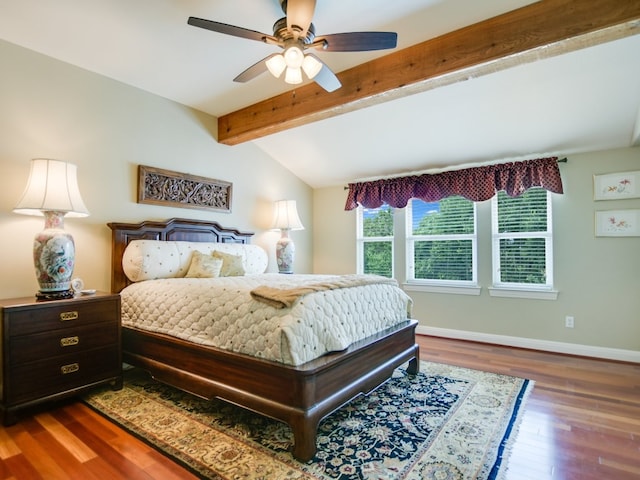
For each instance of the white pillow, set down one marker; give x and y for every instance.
(152, 259)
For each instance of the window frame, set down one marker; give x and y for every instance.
(467, 287)
(361, 239)
(522, 290)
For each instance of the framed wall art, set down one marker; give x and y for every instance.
(618, 223)
(616, 186)
(157, 186)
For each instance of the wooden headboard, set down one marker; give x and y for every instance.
(174, 229)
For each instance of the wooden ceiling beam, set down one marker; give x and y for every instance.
(540, 30)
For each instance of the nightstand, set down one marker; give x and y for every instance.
(53, 349)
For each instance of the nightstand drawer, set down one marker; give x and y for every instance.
(62, 373)
(46, 317)
(31, 348)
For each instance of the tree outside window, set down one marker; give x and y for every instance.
(441, 240)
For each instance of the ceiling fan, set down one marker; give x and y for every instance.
(295, 34)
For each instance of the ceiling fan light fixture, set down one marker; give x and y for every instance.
(276, 65)
(311, 66)
(293, 76)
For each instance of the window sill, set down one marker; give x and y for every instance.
(523, 293)
(451, 289)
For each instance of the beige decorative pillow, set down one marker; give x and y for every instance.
(204, 266)
(231, 264)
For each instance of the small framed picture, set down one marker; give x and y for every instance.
(618, 223)
(616, 186)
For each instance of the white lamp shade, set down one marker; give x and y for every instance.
(293, 76)
(311, 66)
(52, 186)
(276, 65)
(286, 216)
(293, 57)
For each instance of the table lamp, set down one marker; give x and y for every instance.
(286, 218)
(52, 191)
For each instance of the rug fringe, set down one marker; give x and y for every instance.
(501, 467)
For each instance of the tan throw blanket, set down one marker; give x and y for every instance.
(285, 298)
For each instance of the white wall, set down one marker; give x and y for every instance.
(598, 278)
(55, 110)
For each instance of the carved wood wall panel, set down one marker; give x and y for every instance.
(174, 189)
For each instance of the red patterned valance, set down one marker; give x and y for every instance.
(476, 184)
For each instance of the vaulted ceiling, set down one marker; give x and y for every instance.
(469, 82)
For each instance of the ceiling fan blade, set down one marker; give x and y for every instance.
(325, 77)
(254, 70)
(357, 41)
(229, 29)
(300, 14)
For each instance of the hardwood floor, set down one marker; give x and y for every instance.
(582, 421)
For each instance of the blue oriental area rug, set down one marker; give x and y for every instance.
(446, 423)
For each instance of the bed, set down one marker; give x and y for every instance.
(299, 395)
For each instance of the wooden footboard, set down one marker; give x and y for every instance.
(299, 396)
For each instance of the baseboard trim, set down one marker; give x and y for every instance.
(534, 344)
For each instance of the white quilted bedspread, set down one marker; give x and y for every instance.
(221, 312)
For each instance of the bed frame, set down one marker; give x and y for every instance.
(297, 395)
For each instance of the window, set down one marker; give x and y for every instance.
(522, 240)
(442, 242)
(375, 241)
(442, 245)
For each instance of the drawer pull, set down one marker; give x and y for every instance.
(72, 367)
(69, 341)
(64, 316)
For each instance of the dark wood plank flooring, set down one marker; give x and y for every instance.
(582, 421)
